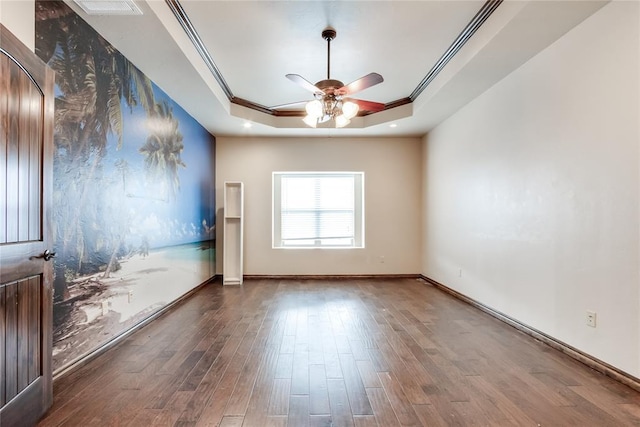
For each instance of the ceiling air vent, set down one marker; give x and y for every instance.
(109, 7)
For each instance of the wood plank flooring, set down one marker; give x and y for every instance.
(357, 353)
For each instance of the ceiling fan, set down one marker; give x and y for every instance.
(331, 100)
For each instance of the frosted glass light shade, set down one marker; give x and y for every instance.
(310, 121)
(342, 121)
(314, 108)
(349, 109)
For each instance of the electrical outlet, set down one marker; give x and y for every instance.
(591, 318)
(460, 273)
(382, 259)
(130, 297)
(105, 308)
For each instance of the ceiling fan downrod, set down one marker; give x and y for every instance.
(329, 34)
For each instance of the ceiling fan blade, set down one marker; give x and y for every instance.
(304, 83)
(289, 105)
(362, 83)
(371, 106)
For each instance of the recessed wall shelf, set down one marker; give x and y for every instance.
(233, 233)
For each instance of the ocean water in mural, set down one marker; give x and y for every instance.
(133, 205)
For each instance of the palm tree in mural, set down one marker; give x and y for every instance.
(162, 150)
(92, 80)
(121, 219)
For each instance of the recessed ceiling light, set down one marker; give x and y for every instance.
(107, 7)
(247, 125)
(393, 125)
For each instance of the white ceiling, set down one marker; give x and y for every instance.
(255, 43)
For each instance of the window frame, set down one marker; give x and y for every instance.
(276, 213)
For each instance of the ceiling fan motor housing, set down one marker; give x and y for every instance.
(328, 86)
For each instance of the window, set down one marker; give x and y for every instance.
(318, 209)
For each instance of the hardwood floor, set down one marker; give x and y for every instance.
(360, 353)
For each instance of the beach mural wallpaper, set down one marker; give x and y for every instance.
(133, 204)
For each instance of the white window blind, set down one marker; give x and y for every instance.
(318, 209)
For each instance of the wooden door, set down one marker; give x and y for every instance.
(26, 296)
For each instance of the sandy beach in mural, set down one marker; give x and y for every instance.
(100, 308)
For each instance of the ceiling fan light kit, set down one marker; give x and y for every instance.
(314, 108)
(330, 95)
(342, 121)
(350, 109)
(310, 121)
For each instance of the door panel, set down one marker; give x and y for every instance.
(11, 341)
(3, 333)
(22, 184)
(22, 330)
(26, 144)
(35, 166)
(13, 105)
(35, 321)
(4, 97)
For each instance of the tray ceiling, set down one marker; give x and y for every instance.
(253, 44)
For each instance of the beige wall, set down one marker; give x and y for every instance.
(532, 191)
(392, 201)
(19, 17)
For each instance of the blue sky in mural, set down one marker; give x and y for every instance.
(159, 219)
(120, 204)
